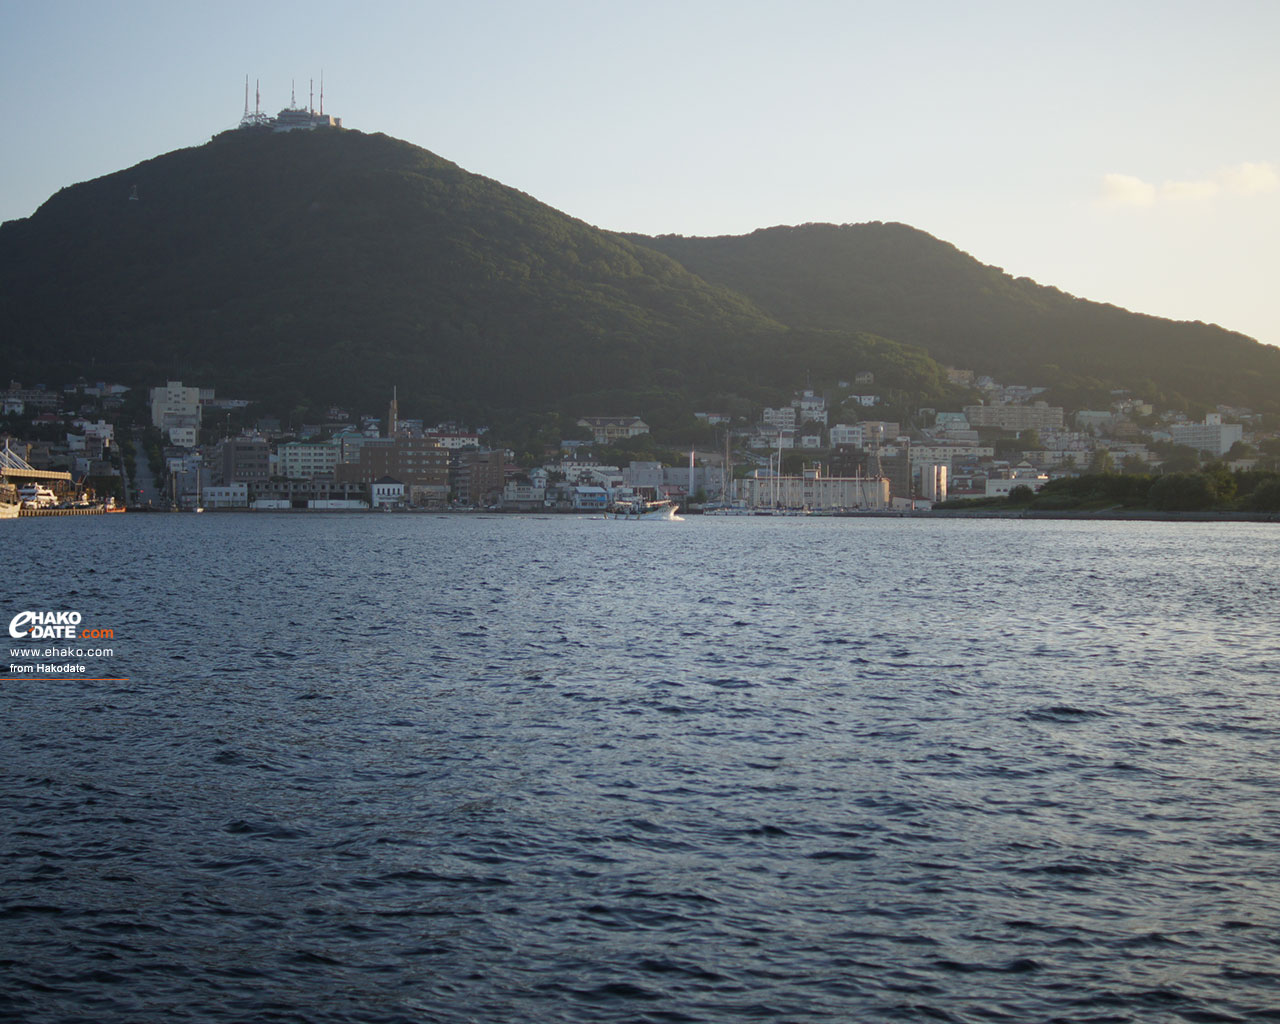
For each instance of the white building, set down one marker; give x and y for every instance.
(227, 496)
(950, 421)
(102, 429)
(305, 460)
(455, 442)
(174, 402)
(810, 407)
(175, 410)
(1212, 436)
(386, 492)
(1022, 476)
(780, 419)
(1095, 420)
(774, 440)
(933, 481)
(183, 437)
(864, 434)
(812, 490)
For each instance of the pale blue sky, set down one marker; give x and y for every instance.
(1124, 152)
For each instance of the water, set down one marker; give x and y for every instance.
(391, 768)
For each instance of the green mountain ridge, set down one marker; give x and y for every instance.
(307, 268)
(899, 282)
(327, 263)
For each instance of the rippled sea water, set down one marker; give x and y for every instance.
(420, 768)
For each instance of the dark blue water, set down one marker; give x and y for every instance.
(384, 768)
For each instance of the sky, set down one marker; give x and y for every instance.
(1125, 152)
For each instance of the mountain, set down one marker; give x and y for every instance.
(308, 268)
(335, 264)
(896, 281)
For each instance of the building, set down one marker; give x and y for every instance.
(999, 487)
(950, 454)
(183, 436)
(810, 408)
(226, 496)
(306, 460)
(318, 493)
(418, 463)
(476, 477)
(524, 495)
(590, 499)
(292, 118)
(674, 481)
(933, 481)
(386, 492)
(1038, 416)
(609, 429)
(1212, 436)
(780, 419)
(243, 460)
(176, 408)
(864, 434)
(25, 401)
(455, 441)
(812, 490)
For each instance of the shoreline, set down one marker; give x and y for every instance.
(1103, 515)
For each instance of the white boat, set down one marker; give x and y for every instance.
(640, 509)
(37, 496)
(8, 510)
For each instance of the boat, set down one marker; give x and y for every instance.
(37, 496)
(10, 505)
(639, 508)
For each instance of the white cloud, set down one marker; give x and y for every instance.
(1126, 190)
(1250, 179)
(1246, 179)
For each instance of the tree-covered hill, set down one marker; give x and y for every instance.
(896, 281)
(307, 268)
(331, 265)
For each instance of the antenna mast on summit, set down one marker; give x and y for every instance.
(293, 96)
(322, 92)
(311, 96)
(246, 97)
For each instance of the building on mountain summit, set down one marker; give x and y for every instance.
(292, 118)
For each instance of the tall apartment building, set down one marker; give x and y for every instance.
(417, 462)
(243, 460)
(173, 401)
(175, 410)
(1212, 436)
(476, 477)
(306, 460)
(933, 481)
(1039, 416)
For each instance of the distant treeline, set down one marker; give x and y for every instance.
(1214, 487)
